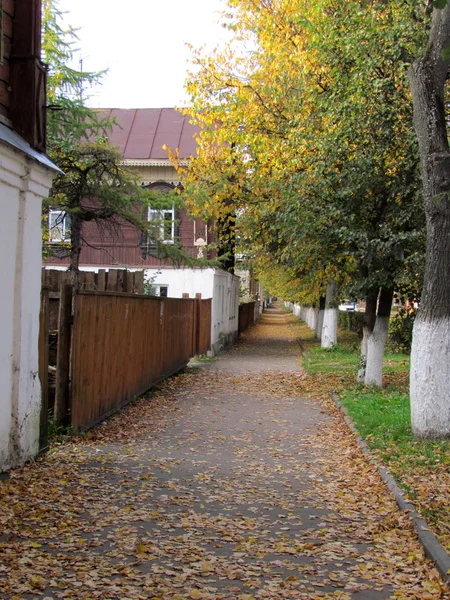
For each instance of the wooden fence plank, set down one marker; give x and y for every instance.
(138, 282)
(43, 368)
(246, 316)
(111, 282)
(62, 400)
(101, 280)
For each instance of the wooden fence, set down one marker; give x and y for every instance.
(246, 316)
(114, 280)
(43, 368)
(121, 345)
(203, 326)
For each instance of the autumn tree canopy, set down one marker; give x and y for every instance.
(307, 136)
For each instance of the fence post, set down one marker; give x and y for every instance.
(111, 283)
(198, 323)
(101, 280)
(138, 285)
(62, 399)
(43, 368)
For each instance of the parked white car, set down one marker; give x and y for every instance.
(348, 306)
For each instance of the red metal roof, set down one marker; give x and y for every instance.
(141, 133)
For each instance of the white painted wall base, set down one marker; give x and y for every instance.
(23, 184)
(225, 310)
(430, 378)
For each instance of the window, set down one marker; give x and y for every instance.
(164, 224)
(59, 226)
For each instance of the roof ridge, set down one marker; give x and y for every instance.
(129, 133)
(156, 131)
(181, 133)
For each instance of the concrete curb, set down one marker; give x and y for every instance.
(433, 549)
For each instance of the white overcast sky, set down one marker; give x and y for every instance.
(142, 43)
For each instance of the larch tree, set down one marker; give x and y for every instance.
(93, 185)
(430, 354)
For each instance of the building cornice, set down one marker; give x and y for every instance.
(151, 162)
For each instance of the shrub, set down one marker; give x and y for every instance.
(400, 331)
(351, 321)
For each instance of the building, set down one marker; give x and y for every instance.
(26, 175)
(142, 136)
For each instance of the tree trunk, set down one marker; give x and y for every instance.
(329, 328)
(370, 316)
(319, 325)
(75, 249)
(430, 353)
(312, 321)
(377, 340)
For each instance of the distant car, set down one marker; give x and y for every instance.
(348, 306)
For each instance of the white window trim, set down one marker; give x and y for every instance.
(158, 287)
(158, 216)
(58, 232)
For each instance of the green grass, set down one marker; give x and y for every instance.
(202, 358)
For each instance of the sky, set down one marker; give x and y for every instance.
(142, 43)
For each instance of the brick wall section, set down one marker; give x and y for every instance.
(8, 15)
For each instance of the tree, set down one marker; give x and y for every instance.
(69, 120)
(315, 142)
(93, 186)
(430, 354)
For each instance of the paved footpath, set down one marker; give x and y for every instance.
(228, 483)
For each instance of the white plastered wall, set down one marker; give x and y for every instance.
(217, 284)
(23, 184)
(225, 310)
(184, 281)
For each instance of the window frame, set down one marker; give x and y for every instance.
(63, 227)
(160, 222)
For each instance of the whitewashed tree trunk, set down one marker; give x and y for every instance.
(430, 380)
(313, 319)
(430, 356)
(370, 315)
(376, 341)
(360, 378)
(329, 328)
(319, 325)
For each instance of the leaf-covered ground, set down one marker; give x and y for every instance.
(383, 418)
(232, 481)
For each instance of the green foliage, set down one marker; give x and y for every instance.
(58, 433)
(315, 147)
(351, 321)
(69, 120)
(149, 284)
(401, 330)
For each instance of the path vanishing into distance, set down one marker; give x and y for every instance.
(227, 482)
